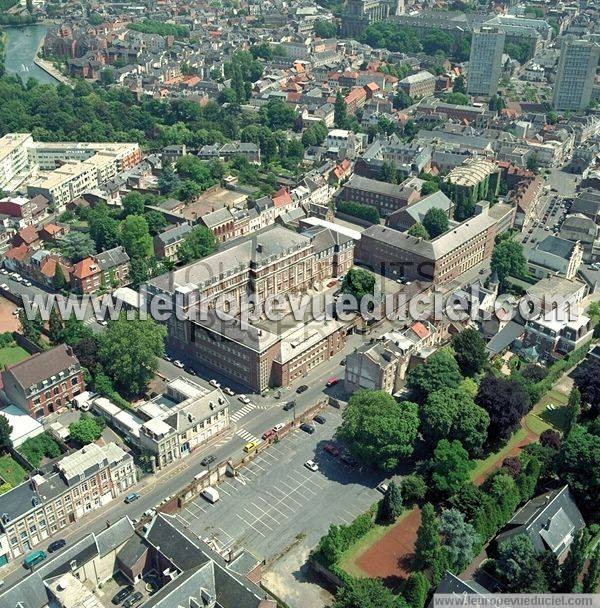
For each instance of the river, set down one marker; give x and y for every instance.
(21, 49)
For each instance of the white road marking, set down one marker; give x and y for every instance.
(249, 524)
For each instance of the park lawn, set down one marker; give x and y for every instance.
(9, 355)
(486, 464)
(11, 471)
(372, 537)
(541, 418)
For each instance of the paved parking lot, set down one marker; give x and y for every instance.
(276, 499)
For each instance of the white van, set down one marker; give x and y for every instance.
(210, 494)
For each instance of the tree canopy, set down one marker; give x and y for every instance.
(587, 380)
(418, 230)
(128, 351)
(450, 466)
(358, 282)
(379, 430)
(508, 259)
(450, 413)
(77, 246)
(197, 244)
(469, 350)
(435, 222)
(366, 593)
(506, 403)
(439, 371)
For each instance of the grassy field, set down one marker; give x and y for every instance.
(11, 471)
(12, 354)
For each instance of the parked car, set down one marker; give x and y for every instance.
(278, 427)
(207, 460)
(302, 388)
(307, 428)
(167, 358)
(122, 595)
(131, 497)
(189, 371)
(215, 383)
(178, 363)
(312, 465)
(332, 381)
(56, 545)
(268, 434)
(228, 391)
(331, 449)
(320, 419)
(289, 405)
(250, 446)
(383, 487)
(33, 559)
(136, 598)
(244, 399)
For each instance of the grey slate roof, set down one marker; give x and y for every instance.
(550, 520)
(172, 235)
(112, 258)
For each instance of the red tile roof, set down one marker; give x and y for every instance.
(28, 234)
(281, 197)
(420, 330)
(85, 268)
(18, 253)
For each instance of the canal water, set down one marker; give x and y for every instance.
(21, 47)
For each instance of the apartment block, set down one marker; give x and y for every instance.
(13, 156)
(576, 74)
(50, 502)
(485, 62)
(421, 84)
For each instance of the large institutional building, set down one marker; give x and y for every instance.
(576, 74)
(275, 261)
(441, 260)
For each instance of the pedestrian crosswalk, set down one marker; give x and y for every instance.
(242, 412)
(246, 435)
(89, 321)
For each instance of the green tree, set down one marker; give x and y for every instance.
(156, 222)
(402, 100)
(5, 431)
(439, 371)
(167, 180)
(518, 567)
(391, 505)
(135, 237)
(55, 326)
(379, 430)
(508, 260)
(74, 331)
(459, 99)
(277, 114)
(58, 280)
(133, 204)
(104, 229)
(128, 351)
(451, 413)
(497, 103)
(85, 431)
(459, 85)
(533, 163)
(31, 325)
(358, 282)
(418, 230)
(388, 173)
(435, 222)
(325, 29)
(460, 539)
(77, 246)
(450, 466)
(416, 589)
(573, 565)
(366, 593)
(413, 489)
(470, 352)
(197, 244)
(592, 576)
(340, 111)
(429, 554)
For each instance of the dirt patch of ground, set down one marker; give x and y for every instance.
(390, 557)
(8, 321)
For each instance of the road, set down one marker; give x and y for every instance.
(248, 423)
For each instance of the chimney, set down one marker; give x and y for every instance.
(259, 247)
